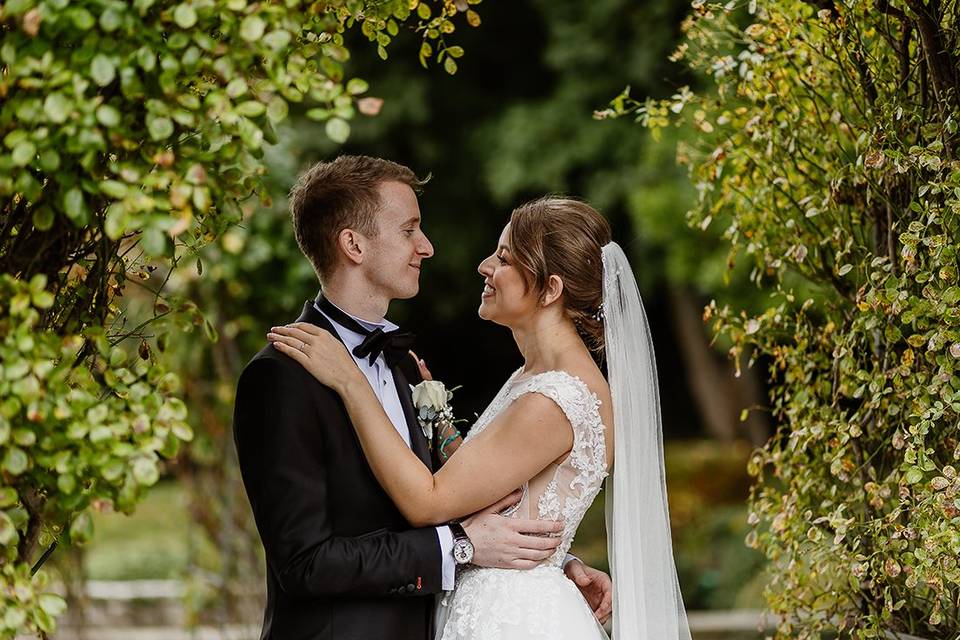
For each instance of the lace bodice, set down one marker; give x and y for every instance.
(565, 490)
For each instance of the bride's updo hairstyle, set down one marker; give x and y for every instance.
(561, 236)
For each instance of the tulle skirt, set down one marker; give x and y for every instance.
(511, 604)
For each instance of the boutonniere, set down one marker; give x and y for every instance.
(432, 401)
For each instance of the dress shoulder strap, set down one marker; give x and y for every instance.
(569, 392)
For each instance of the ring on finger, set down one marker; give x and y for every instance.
(302, 345)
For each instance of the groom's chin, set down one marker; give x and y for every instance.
(407, 292)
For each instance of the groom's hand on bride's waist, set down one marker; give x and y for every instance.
(510, 543)
(595, 585)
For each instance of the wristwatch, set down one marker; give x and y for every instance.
(462, 547)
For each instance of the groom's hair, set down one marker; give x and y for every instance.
(342, 194)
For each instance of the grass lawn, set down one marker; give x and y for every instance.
(150, 544)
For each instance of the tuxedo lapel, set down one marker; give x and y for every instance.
(418, 442)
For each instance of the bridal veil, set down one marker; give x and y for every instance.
(647, 604)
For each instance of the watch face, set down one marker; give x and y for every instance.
(462, 551)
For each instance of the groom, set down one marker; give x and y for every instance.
(342, 563)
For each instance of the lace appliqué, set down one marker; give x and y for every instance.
(501, 604)
(548, 506)
(578, 480)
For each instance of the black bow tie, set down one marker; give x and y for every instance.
(394, 345)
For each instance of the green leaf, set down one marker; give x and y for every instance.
(43, 299)
(356, 86)
(43, 218)
(251, 108)
(146, 58)
(8, 497)
(183, 431)
(66, 483)
(15, 137)
(18, 7)
(100, 434)
(116, 221)
(237, 87)
(52, 604)
(102, 70)
(185, 15)
(49, 160)
(913, 475)
(108, 116)
(16, 461)
(81, 529)
(111, 19)
(82, 19)
(456, 52)
(160, 128)
(24, 153)
(8, 531)
(114, 188)
(251, 29)
(145, 471)
(57, 107)
(277, 39)
(278, 109)
(15, 617)
(154, 242)
(73, 204)
(450, 65)
(338, 130)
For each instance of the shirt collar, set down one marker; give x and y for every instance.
(385, 324)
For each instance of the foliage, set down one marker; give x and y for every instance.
(71, 436)
(133, 135)
(829, 155)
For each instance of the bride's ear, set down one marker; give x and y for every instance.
(351, 244)
(553, 291)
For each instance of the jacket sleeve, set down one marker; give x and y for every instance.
(278, 433)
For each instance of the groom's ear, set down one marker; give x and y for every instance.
(553, 290)
(351, 244)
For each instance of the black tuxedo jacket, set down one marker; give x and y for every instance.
(342, 562)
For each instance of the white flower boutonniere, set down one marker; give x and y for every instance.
(432, 401)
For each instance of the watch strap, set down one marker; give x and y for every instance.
(458, 531)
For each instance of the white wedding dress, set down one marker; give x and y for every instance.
(513, 604)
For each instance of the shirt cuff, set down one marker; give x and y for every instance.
(449, 571)
(568, 558)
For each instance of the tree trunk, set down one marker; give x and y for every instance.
(719, 395)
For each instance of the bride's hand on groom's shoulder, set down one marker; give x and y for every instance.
(510, 543)
(320, 353)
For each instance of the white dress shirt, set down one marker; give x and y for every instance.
(381, 379)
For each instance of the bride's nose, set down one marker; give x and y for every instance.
(486, 267)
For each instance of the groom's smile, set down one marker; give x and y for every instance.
(399, 243)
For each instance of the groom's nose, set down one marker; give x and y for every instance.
(425, 248)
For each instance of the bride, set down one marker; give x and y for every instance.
(568, 294)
